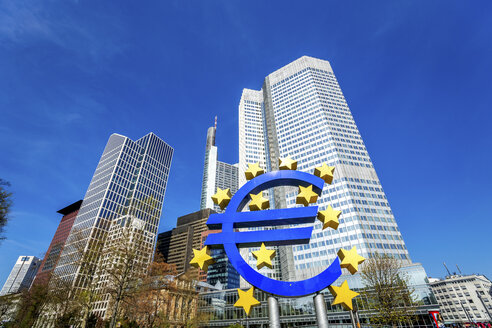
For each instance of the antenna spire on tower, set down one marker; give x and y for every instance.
(215, 125)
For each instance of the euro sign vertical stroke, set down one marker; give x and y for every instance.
(233, 218)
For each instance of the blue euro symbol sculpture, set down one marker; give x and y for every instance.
(233, 218)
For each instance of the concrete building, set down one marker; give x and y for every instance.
(216, 174)
(176, 245)
(464, 299)
(131, 178)
(22, 275)
(58, 242)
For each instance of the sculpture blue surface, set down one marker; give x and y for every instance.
(233, 218)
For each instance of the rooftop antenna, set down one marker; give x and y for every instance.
(449, 273)
(215, 125)
(458, 269)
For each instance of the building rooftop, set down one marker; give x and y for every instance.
(71, 208)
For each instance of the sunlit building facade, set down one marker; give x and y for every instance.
(464, 299)
(131, 178)
(216, 174)
(301, 113)
(22, 275)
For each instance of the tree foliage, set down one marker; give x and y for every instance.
(113, 267)
(387, 292)
(31, 304)
(147, 306)
(124, 260)
(5, 204)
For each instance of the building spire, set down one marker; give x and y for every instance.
(211, 135)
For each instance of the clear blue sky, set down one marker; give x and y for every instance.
(417, 76)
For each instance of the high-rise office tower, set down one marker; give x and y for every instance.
(300, 112)
(221, 175)
(58, 242)
(22, 275)
(130, 181)
(216, 174)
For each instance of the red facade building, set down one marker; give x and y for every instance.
(58, 242)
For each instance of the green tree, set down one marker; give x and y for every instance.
(387, 292)
(5, 204)
(31, 304)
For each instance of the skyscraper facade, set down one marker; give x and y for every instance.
(300, 112)
(22, 275)
(216, 174)
(58, 242)
(130, 181)
(221, 175)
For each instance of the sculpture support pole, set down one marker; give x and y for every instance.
(320, 306)
(273, 312)
(352, 319)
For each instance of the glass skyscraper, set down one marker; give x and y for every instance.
(129, 174)
(300, 112)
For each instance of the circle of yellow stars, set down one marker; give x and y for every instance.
(349, 259)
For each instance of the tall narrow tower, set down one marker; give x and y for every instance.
(300, 112)
(216, 174)
(221, 175)
(129, 174)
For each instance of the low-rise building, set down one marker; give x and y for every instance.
(464, 299)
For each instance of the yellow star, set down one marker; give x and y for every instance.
(258, 202)
(329, 217)
(306, 195)
(264, 257)
(325, 172)
(343, 295)
(287, 163)
(201, 258)
(253, 171)
(246, 300)
(222, 197)
(350, 259)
